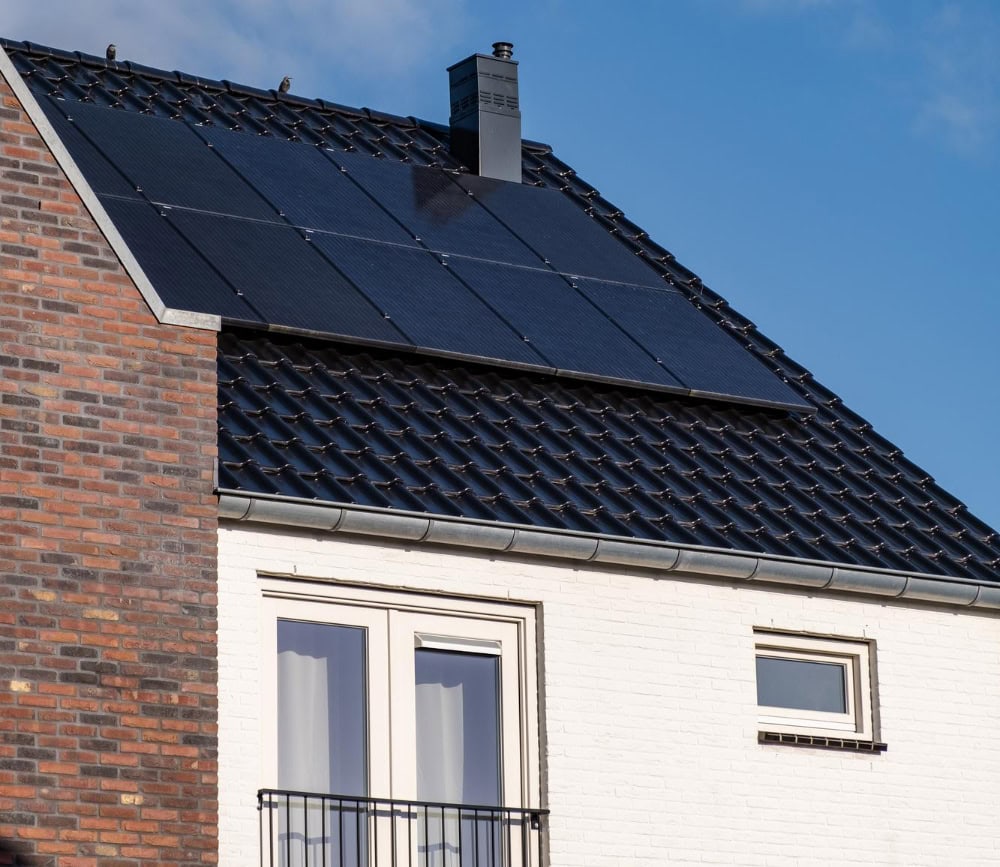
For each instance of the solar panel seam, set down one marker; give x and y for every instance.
(568, 279)
(428, 249)
(183, 239)
(60, 119)
(284, 222)
(142, 196)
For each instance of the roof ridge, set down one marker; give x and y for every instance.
(180, 77)
(238, 89)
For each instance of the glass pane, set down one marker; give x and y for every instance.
(800, 684)
(321, 708)
(458, 739)
(458, 756)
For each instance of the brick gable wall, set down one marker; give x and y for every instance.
(107, 543)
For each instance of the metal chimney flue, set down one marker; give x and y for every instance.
(485, 114)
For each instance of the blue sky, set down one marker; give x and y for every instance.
(830, 166)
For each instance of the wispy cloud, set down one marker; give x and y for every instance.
(961, 102)
(867, 30)
(944, 51)
(254, 41)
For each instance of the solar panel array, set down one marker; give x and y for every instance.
(269, 232)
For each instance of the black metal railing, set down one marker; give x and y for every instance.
(303, 829)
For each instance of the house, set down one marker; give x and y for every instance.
(374, 492)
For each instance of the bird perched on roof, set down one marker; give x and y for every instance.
(286, 83)
(112, 51)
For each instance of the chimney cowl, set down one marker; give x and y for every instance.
(485, 113)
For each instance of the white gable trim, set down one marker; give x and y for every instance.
(815, 575)
(163, 314)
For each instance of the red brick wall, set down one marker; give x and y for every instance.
(107, 543)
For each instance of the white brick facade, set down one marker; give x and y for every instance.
(650, 752)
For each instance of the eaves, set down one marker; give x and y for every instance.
(664, 558)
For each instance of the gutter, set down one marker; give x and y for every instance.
(663, 557)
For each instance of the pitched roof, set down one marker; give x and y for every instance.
(383, 426)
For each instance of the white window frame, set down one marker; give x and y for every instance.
(506, 629)
(854, 655)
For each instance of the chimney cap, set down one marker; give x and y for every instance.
(503, 50)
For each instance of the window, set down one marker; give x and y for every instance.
(389, 717)
(814, 686)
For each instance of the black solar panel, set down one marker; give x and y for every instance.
(283, 277)
(425, 301)
(560, 323)
(169, 163)
(435, 209)
(702, 356)
(181, 276)
(559, 231)
(305, 186)
(100, 174)
(396, 254)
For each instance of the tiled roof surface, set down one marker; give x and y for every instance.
(318, 421)
(310, 420)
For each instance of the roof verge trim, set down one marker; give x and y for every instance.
(677, 560)
(163, 314)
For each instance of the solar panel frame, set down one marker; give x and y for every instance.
(703, 356)
(559, 231)
(560, 323)
(305, 187)
(284, 277)
(182, 276)
(428, 303)
(102, 175)
(169, 163)
(435, 209)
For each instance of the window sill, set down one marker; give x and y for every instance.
(820, 741)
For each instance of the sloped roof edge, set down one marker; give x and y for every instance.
(673, 559)
(163, 314)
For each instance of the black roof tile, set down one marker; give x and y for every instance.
(442, 437)
(312, 419)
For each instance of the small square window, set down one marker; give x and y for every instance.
(814, 686)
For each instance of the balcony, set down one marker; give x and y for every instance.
(300, 829)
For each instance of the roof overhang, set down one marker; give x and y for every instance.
(664, 558)
(163, 313)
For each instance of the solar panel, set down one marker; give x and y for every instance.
(169, 163)
(180, 275)
(100, 174)
(560, 323)
(305, 186)
(702, 356)
(283, 276)
(560, 231)
(435, 209)
(520, 275)
(425, 301)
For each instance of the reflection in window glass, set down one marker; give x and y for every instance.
(321, 708)
(458, 737)
(458, 756)
(801, 684)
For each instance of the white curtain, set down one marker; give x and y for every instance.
(440, 770)
(303, 723)
(303, 755)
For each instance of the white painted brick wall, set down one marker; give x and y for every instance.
(650, 716)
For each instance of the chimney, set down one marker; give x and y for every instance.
(485, 114)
